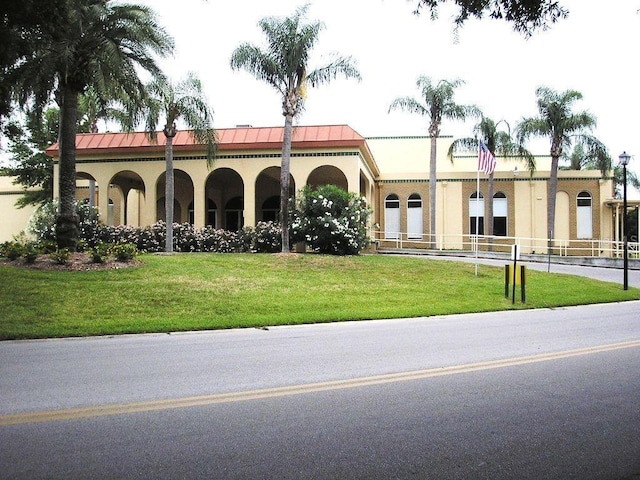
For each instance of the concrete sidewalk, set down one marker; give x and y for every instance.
(614, 275)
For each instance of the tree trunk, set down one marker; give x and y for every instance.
(285, 167)
(432, 192)
(169, 132)
(67, 227)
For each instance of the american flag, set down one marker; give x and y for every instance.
(486, 160)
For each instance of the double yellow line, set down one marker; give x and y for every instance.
(204, 400)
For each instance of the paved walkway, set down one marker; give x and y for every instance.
(614, 275)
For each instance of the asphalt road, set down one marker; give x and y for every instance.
(527, 394)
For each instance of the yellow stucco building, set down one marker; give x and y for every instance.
(391, 173)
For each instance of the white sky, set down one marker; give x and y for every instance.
(593, 51)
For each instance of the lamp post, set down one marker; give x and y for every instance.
(624, 161)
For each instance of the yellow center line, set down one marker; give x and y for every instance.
(203, 400)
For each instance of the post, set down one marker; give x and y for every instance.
(624, 160)
(625, 261)
(515, 261)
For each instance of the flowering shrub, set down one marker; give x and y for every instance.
(330, 220)
(217, 240)
(267, 237)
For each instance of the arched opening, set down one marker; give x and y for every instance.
(86, 188)
(224, 189)
(132, 190)
(327, 175)
(268, 194)
(182, 196)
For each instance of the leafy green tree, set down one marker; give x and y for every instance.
(527, 16)
(97, 43)
(167, 104)
(30, 166)
(438, 105)
(284, 66)
(564, 128)
(21, 24)
(500, 143)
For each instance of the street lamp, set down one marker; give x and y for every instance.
(624, 161)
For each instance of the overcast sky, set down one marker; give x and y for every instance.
(593, 51)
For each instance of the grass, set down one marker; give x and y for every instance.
(216, 291)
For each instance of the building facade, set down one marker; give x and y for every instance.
(241, 187)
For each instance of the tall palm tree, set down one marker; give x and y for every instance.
(438, 105)
(98, 43)
(564, 128)
(284, 66)
(501, 143)
(168, 103)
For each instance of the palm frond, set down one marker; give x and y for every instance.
(409, 104)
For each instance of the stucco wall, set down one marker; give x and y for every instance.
(14, 220)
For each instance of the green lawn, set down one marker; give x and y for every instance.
(214, 291)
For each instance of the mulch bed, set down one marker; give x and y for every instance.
(78, 262)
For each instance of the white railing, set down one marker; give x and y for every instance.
(527, 245)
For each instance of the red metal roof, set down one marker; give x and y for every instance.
(242, 138)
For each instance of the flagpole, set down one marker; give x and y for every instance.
(477, 206)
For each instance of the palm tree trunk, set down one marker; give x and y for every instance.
(67, 228)
(285, 168)
(552, 192)
(432, 192)
(169, 187)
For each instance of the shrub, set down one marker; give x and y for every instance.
(29, 253)
(330, 220)
(42, 223)
(124, 252)
(12, 250)
(99, 253)
(60, 256)
(268, 237)
(217, 240)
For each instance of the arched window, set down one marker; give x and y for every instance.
(392, 216)
(414, 217)
(584, 215)
(500, 211)
(476, 213)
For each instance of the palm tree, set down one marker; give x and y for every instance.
(168, 103)
(500, 143)
(284, 66)
(579, 160)
(438, 105)
(98, 43)
(565, 128)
